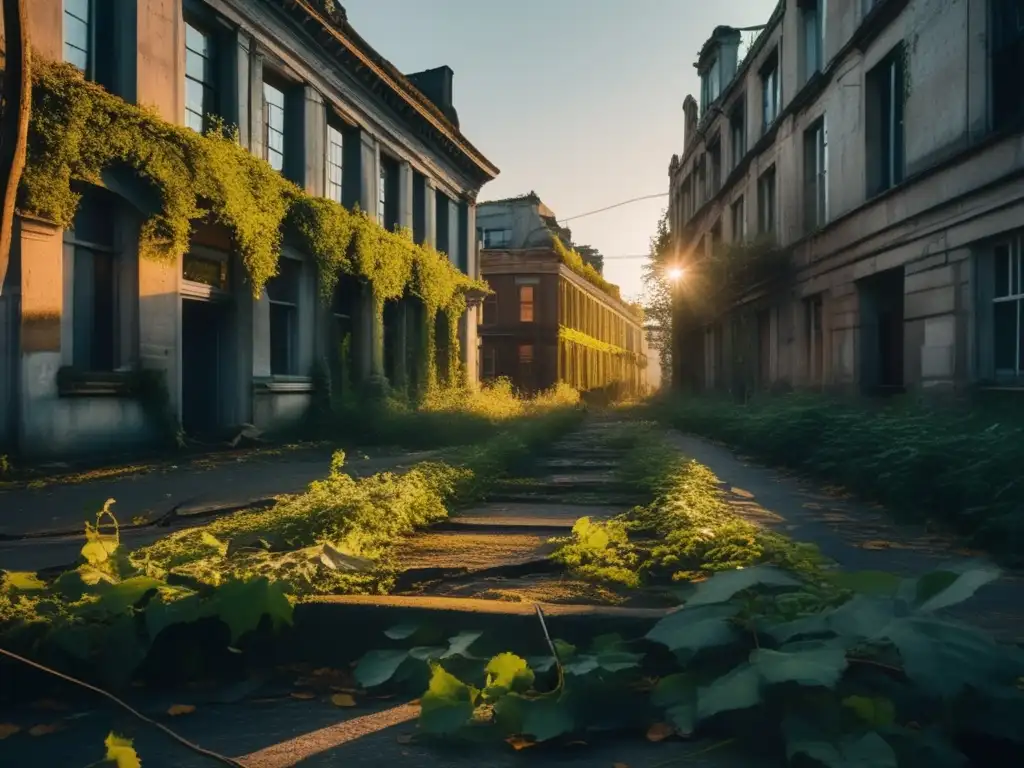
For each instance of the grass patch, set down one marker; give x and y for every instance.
(445, 416)
(336, 538)
(951, 464)
(685, 533)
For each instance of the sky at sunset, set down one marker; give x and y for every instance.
(579, 100)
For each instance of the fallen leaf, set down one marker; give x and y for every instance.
(44, 729)
(8, 729)
(520, 742)
(181, 709)
(660, 732)
(303, 695)
(405, 738)
(343, 700)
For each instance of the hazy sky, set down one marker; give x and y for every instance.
(578, 100)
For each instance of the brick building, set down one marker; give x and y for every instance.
(80, 311)
(545, 321)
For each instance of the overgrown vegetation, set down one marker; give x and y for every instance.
(106, 614)
(757, 657)
(945, 463)
(685, 533)
(577, 264)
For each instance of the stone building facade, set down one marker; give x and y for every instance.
(879, 144)
(79, 308)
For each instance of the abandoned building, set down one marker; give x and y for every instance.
(878, 145)
(80, 310)
(546, 322)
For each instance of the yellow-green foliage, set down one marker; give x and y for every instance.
(497, 401)
(575, 262)
(78, 131)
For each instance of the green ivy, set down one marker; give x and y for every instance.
(78, 130)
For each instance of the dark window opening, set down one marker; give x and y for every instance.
(770, 91)
(387, 203)
(885, 100)
(283, 294)
(766, 208)
(95, 284)
(738, 133)
(815, 177)
(441, 222)
(419, 207)
(1007, 63)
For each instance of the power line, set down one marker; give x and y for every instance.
(610, 207)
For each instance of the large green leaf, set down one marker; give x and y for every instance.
(377, 667)
(935, 592)
(875, 583)
(674, 689)
(242, 604)
(119, 597)
(812, 667)
(541, 717)
(618, 661)
(722, 587)
(175, 606)
(508, 672)
(867, 751)
(864, 617)
(876, 711)
(694, 629)
(816, 624)
(448, 704)
(461, 643)
(738, 689)
(581, 665)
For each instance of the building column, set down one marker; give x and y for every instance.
(469, 337)
(405, 195)
(255, 105)
(430, 214)
(314, 134)
(237, 79)
(369, 323)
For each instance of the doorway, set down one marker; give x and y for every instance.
(881, 332)
(203, 327)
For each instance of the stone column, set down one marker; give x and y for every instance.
(237, 79)
(255, 106)
(405, 211)
(314, 129)
(369, 324)
(469, 338)
(430, 214)
(405, 195)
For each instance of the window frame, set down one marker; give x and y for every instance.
(1014, 295)
(527, 307)
(886, 121)
(738, 120)
(334, 127)
(763, 217)
(90, 24)
(815, 148)
(269, 153)
(771, 85)
(739, 235)
(292, 306)
(210, 90)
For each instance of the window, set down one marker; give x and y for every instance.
(812, 17)
(715, 153)
(200, 93)
(710, 86)
(335, 162)
(382, 193)
(525, 303)
(488, 363)
(497, 238)
(739, 221)
(489, 315)
(283, 294)
(738, 133)
(815, 346)
(770, 95)
(815, 177)
(205, 270)
(1008, 305)
(78, 34)
(884, 120)
(273, 126)
(702, 181)
(526, 360)
(766, 202)
(95, 286)
(1007, 62)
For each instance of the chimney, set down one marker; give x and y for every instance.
(436, 85)
(729, 40)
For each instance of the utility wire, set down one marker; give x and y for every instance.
(610, 207)
(184, 742)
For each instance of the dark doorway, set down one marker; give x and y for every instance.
(202, 332)
(881, 332)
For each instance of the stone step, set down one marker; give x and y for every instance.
(580, 499)
(577, 464)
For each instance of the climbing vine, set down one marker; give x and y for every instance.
(79, 131)
(585, 340)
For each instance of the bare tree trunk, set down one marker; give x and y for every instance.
(17, 101)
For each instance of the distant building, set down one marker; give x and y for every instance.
(545, 322)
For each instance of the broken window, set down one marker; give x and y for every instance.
(1008, 304)
(526, 303)
(283, 292)
(1007, 62)
(95, 285)
(884, 122)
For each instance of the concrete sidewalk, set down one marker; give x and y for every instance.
(197, 485)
